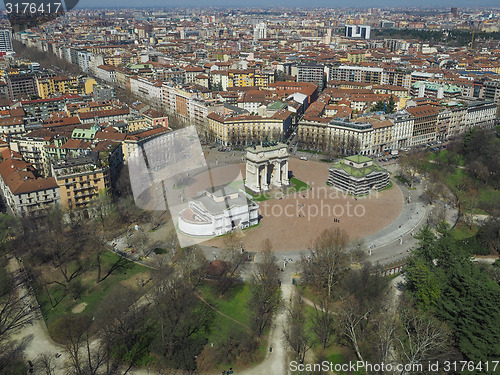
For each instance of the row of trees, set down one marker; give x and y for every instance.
(358, 308)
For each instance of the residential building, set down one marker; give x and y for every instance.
(426, 89)
(81, 180)
(234, 129)
(133, 142)
(313, 73)
(260, 31)
(21, 86)
(49, 86)
(491, 90)
(6, 41)
(425, 124)
(24, 193)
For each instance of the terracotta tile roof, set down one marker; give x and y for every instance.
(104, 113)
(109, 135)
(25, 182)
(11, 121)
(145, 134)
(11, 154)
(421, 111)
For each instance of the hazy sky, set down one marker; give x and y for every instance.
(287, 3)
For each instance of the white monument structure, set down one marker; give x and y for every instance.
(266, 166)
(217, 211)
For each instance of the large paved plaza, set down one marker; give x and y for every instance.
(292, 223)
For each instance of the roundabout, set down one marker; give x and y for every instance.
(292, 222)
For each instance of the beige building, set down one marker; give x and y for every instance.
(243, 129)
(81, 180)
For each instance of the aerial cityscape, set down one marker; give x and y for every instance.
(259, 189)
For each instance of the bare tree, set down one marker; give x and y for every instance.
(86, 355)
(124, 329)
(295, 332)
(46, 363)
(265, 294)
(15, 313)
(234, 259)
(323, 321)
(351, 318)
(180, 316)
(327, 262)
(422, 339)
(192, 263)
(409, 164)
(385, 325)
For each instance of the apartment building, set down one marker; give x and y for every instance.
(241, 77)
(107, 115)
(81, 179)
(403, 129)
(313, 73)
(24, 193)
(48, 86)
(40, 110)
(425, 124)
(364, 74)
(491, 91)
(6, 41)
(188, 103)
(134, 141)
(147, 89)
(21, 85)
(235, 129)
(31, 145)
(106, 72)
(426, 89)
(12, 125)
(481, 113)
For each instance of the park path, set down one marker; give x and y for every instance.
(276, 361)
(34, 336)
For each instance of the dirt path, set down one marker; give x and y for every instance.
(276, 361)
(35, 335)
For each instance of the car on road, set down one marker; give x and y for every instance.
(303, 158)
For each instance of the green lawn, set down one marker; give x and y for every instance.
(234, 305)
(334, 352)
(388, 186)
(93, 293)
(298, 185)
(462, 231)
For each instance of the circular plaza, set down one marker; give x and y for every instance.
(291, 222)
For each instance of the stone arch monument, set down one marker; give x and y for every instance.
(266, 166)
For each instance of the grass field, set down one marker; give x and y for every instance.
(234, 305)
(296, 185)
(457, 178)
(462, 231)
(93, 294)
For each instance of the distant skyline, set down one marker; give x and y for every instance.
(287, 3)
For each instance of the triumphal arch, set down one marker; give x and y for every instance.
(266, 166)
